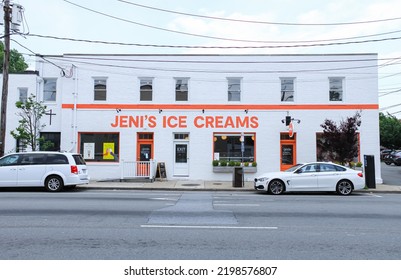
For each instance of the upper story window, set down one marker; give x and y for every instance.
(100, 89)
(336, 89)
(146, 89)
(181, 89)
(287, 89)
(23, 94)
(234, 89)
(49, 89)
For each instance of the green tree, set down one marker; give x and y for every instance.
(390, 131)
(340, 142)
(17, 61)
(28, 130)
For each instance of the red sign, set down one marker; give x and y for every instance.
(291, 129)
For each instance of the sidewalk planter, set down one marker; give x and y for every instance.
(230, 169)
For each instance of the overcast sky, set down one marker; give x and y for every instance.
(375, 28)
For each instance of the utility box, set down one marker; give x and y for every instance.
(238, 177)
(370, 176)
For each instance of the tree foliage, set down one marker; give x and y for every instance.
(17, 61)
(340, 142)
(390, 131)
(28, 130)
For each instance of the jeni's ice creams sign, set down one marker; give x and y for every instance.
(203, 121)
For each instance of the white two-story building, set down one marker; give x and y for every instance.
(189, 110)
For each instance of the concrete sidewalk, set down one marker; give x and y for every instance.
(200, 186)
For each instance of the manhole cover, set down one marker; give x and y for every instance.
(190, 185)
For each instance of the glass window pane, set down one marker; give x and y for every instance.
(146, 89)
(100, 89)
(181, 153)
(49, 89)
(234, 89)
(181, 89)
(228, 146)
(100, 146)
(23, 94)
(287, 90)
(336, 89)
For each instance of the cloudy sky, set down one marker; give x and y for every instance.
(279, 27)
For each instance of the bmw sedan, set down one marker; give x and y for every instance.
(314, 176)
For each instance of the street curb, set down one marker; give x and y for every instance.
(372, 191)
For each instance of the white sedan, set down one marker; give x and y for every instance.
(314, 176)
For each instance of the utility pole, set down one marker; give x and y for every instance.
(4, 94)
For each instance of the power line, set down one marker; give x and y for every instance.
(259, 22)
(39, 55)
(212, 47)
(211, 71)
(199, 35)
(390, 92)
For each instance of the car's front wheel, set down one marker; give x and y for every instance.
(344, 187)
(276, 187)
(54, 183)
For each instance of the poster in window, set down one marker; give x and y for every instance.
(108, 151)
(89, 150)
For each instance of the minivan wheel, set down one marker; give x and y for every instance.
(344, 187)
(54, 184)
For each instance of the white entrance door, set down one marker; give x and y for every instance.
(181, 159)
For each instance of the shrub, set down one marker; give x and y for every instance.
(215, 163)
(246, 164)
(359, 164)
(231, 163)
(254, 164)
(223, 163)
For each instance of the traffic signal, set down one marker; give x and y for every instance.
(287, 120)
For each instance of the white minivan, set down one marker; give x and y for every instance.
(53, 170)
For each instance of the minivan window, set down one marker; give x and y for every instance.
(79, 160)
(29, 159)
(9, 160)
(57, 159)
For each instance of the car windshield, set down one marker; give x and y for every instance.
(293, 168)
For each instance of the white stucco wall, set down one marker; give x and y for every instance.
(260, 93)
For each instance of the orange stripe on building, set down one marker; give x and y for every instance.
(285, 107)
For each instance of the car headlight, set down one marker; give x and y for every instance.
(262, 179)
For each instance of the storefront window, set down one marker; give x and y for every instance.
(100, 147)
(229, 147)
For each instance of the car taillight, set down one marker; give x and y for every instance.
(74, 169)
(360, 174)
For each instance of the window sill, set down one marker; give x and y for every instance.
(230, 169)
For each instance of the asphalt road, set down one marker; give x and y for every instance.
(391, 174)
(148, 225)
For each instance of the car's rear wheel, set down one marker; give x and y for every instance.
(344, 187)
(54, 183)
(276, 187)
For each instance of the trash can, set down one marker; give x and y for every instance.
(238, 177)
(370, 176)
